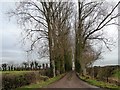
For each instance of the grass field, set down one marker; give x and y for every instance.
(16, 72)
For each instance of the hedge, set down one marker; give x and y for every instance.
(10, 81)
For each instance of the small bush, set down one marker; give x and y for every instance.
(104, 74)
(45, 72)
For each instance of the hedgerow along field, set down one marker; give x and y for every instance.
(104, 77)
(15, 79)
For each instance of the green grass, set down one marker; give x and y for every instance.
(101, 84)
(41, 84)
(15, 72)
(116, 74)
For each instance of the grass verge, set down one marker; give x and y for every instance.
(100, 84)
(41, 84)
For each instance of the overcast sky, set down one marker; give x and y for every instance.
(11, 51)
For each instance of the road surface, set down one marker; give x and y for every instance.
(71, 80)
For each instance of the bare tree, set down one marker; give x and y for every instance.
(61, 34)
(25, 65)
(4, 66)
(89, 56)
(32, 65)
(41, 22)
(92, 17)
(36, 65)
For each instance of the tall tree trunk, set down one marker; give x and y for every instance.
(78, 41)
(52, 62)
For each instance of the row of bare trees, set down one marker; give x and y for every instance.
(48, 27)
(90, 22)
(48, 24)
(34, 65)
